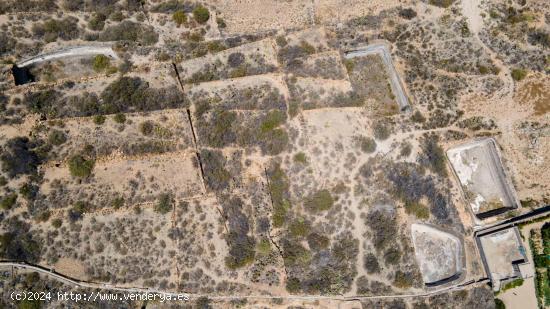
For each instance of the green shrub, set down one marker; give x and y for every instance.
(97, 22)
(119, 118)
(99, 119)
(405, 149)
(392, 256)
(100, 63)
(8, 201)
(299, 228)
(367, 144)
(317, 241)
(349, 64)
(263, 247)
(57, 137)
(130, 31)
(19, 157)
(418, 117)
(433, 155)
(57, 222)
(293, 285)
(381, 131)
(510, 285)
(499, 304)
(80, 167)
(518, 74)
(117, 202)
(300, 157)
(402, 280)
(201, 14)
(417, 209)
(278, 188)
(215, 174)
(164, 204)
(319, 201)
(29, 191)
(179, 17)
(221, 23)
(241, 250)
(146, 128)
(53, 29)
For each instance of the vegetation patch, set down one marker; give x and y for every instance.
(320, 201)
(81, 167)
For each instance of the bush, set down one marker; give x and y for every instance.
(371, 264)
(8, 201)
(317, 241)
(179, 17)
(278, 189)
(433, 155)
(130, 31)
(117, 202)
(97, 22)
(18, 157)
(241, 250)
(417, 209)
(53, 29)
(19, 245)
(518, 74)
(418, 117)
(367, 144)
(511, 285)
(499, 304)
(403, 280)
(165, 203)
(201, 14)
(319, 201)
(381, 131)
(407, 13)
(57, 222)
(383, 227)
(300, 157)
(235, 59)
(293, 285)
(134, 94)
(57, 137)
(119, 118)
(99, 119)
(146, 128)
(29, 191)
(100, 63)
(299, 228)
(80, 167)
(215, 174)
(221, 23)
(43, 102)
(392, 256)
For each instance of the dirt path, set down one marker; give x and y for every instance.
(105, 286)
(70, 52)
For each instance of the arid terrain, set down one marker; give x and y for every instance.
(268, 154)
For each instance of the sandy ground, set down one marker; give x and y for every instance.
(246, 16)
(521, 297)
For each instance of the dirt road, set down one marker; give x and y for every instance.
(70, 52)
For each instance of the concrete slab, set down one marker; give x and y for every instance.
(439, 254)
(479, 169)
(501, 250)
